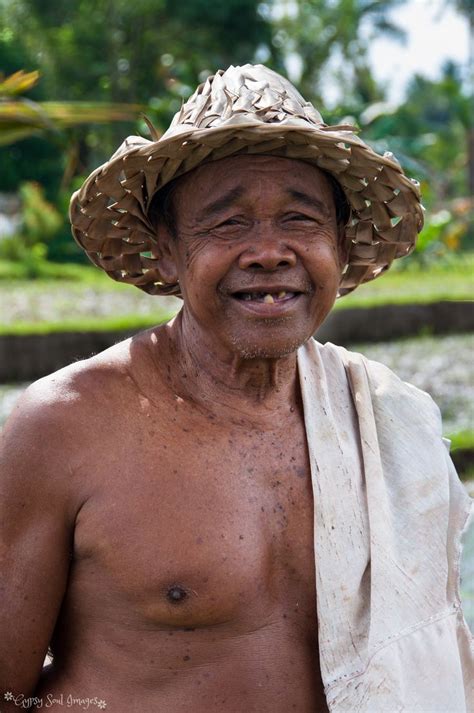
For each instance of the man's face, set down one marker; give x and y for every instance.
(256, 252)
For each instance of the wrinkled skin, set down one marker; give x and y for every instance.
(281, 231)
(156, 500)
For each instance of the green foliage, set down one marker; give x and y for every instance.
(33, 159)
(134, 52)
(149, 51)
(39, 222)
(412, 281)
(319, 32)
(132, 323)
(431, 236)
(445, 233)
(432, 128)
(62, 248)
(18, 83)
(462, 440)
(21, 118)
(153, 52)
(12, 273)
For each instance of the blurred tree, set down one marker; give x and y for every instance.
(430, 134)
(113, 49)
(148, 51)
(331, 39)
(32, 158)
(43, 231)
(21, 118)
(466, 8)
(432, 128)
(40, 221)
(155, 51)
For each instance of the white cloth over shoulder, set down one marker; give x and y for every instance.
(389, 512)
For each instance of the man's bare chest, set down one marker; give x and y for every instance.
(202, 526)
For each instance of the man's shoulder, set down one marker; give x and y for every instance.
(79, 382)
(64, 420)
(79, 393)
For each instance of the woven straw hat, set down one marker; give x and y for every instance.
(244, 110)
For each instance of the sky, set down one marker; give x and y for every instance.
(435, 33)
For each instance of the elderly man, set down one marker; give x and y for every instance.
(221, 514)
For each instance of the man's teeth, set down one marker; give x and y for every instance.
(266, 297)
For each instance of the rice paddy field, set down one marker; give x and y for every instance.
(75, 298)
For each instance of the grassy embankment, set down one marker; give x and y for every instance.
(414, 285)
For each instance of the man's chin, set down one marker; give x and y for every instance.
(256, 349)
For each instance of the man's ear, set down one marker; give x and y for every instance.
(343, 246)
(164, 252)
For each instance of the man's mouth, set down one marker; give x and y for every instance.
(266, 297)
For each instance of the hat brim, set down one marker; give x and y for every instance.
(109, 213)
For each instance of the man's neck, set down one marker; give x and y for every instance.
(222, 381)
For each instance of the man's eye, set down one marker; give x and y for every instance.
(229, 222)
(301, 217)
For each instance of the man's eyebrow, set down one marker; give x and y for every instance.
(234, 194)
(221, 203)
(309, 201)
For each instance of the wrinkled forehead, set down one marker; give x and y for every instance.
(262, 174)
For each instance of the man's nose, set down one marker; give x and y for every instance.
(267, 252)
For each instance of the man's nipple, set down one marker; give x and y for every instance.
(176, 594)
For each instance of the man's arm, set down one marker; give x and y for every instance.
(37, 515)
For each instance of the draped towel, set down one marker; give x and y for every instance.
(389, 512)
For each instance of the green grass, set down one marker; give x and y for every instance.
(417, 285)
(48, 272)
(462, 440)
(109, 324)
(449, 280)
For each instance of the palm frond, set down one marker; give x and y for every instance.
(18, 83)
